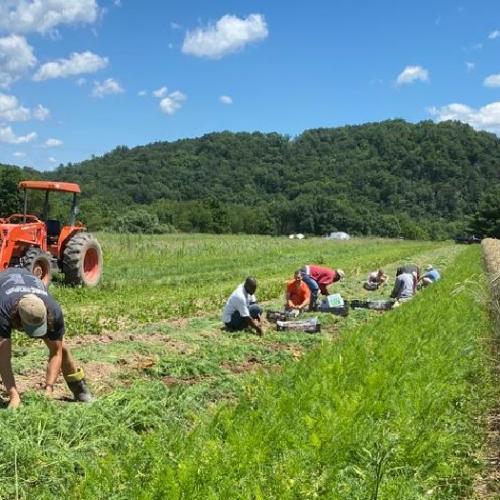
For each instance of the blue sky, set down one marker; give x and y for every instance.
(80, 77)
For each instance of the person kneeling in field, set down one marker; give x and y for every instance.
(318, 279)
(298, 295)
(241, 310)
(375, 279)
(412, 269)
(26, 305)
(430, 276)
(404, 287)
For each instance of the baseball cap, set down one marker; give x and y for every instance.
(33, 314)
(429, 267)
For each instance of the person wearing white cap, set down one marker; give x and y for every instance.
(26, 305)
(430, 276)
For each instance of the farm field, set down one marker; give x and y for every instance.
(170, 383)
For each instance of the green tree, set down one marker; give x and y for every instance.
(486, 221)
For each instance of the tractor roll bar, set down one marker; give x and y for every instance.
(66, 187)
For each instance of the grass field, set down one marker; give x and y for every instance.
(149, 279)
(170, 384)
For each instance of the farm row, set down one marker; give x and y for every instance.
(166, 378)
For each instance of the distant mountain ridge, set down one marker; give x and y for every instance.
(391, 178)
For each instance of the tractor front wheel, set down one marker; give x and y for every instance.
(37, 262)
(82, 260)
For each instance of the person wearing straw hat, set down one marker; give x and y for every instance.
(26, 305)
(318, 279)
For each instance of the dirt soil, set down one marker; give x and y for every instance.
(488, 485)
(99, 373)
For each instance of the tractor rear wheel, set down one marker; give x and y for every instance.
(37, 262)
(82, 260)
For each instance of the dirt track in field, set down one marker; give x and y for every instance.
(488, 485)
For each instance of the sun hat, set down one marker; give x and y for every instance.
(33, 314)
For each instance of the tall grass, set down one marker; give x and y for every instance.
(132, 433)
(387, 412)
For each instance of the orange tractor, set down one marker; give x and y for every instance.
(43, 245)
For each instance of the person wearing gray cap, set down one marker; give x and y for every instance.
(26, 305)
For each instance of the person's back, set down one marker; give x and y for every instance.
(433, 275)
(241, 309)
(16, 283)
(323, 275)
(239, 300)
(403, 287)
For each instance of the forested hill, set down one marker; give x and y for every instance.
(391, 178)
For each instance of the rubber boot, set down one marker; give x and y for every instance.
(77, 385)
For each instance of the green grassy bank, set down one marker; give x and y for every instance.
(388, 411)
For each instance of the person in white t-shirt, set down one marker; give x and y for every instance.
(241, 310)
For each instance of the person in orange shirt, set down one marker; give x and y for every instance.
(298, 294)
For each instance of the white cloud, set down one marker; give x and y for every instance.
(175, 26)
(172, 103)
(16, 57)
(9, 137)
(494, 34)
(78, 63)
(470, 66)
(42, 16)
(81, 81)
(485, 118)
(19, 154)
(492, 81)
(225, 99)
(142, 93)
(107, 87)
(41, 113)
(411, 74)
(53, 143)
(117, 3)
(11, 110)
(160, 92)
(229, 34)
(51, 159)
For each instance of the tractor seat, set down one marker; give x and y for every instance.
(53, 230)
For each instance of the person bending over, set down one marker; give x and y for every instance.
(404, 287)
(430, 276)
(318, 279)
(25, 304)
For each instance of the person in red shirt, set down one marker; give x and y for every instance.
(298, 295)
(318, 279)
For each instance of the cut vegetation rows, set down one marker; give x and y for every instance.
(383, 403)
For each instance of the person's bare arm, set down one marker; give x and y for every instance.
(54, 363)
(255, 325)
(7, 374)
(289, 303)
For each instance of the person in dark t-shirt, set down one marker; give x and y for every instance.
(25, 304)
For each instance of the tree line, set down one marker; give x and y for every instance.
(392, 178)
